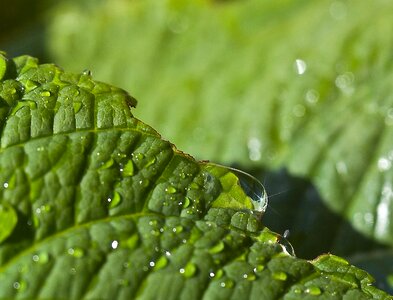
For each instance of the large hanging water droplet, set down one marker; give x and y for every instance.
(8, 221)
(252, 187)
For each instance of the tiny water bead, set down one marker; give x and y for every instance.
(41, 258)
(189, 270)
(115, 200)
(8, 221)
(282, 276)
(313, 290)
(76, 252)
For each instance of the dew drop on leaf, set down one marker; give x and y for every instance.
(107, 164)
(41, 258)
(280, 276)
(45, 94)
(186, 202)
(128, 169)
(189, 270)
(313, 290)
(217, 248)
(115, 200)
(76, 252)
(8, 221)
(227, 284)
(170, 190)
(161, 263)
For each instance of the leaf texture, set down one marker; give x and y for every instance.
(95, 205)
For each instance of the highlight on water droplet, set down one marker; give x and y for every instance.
(114, 244)
(45, 94)
(300, 66)
(8, 221)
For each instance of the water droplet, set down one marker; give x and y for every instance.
(313, 290)
(253, 189)
(345, 82)
(300, 66)
(254, 146)
(161, 263)
(86, 72)
(40, 149)
(128, 169)
(280, 276)
(5, 185)
(186, 202)
(298, 290)
(115, 200)
(250, 276)
(227, 284)
(76, 252)
(259, 268)
(72, 271)
(299, 111)
(107, 164)
(384, 164)
(8, 221)
(189, 270)
(45, 94)
(114, 244)
(152, 264)
(144, 182)
(77, 106)
(41, 258)
(312, 96)
(217, 248)
(170, 190)
(177, 229)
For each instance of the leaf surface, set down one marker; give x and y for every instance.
(94, 204)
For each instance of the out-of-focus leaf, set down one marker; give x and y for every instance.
(303, 84)
(94, 204)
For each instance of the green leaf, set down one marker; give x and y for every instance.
(301, 84)
(105, 208)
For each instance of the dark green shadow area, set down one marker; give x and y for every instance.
(22, 28)
(295, 205)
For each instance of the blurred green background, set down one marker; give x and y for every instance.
(298, 93)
